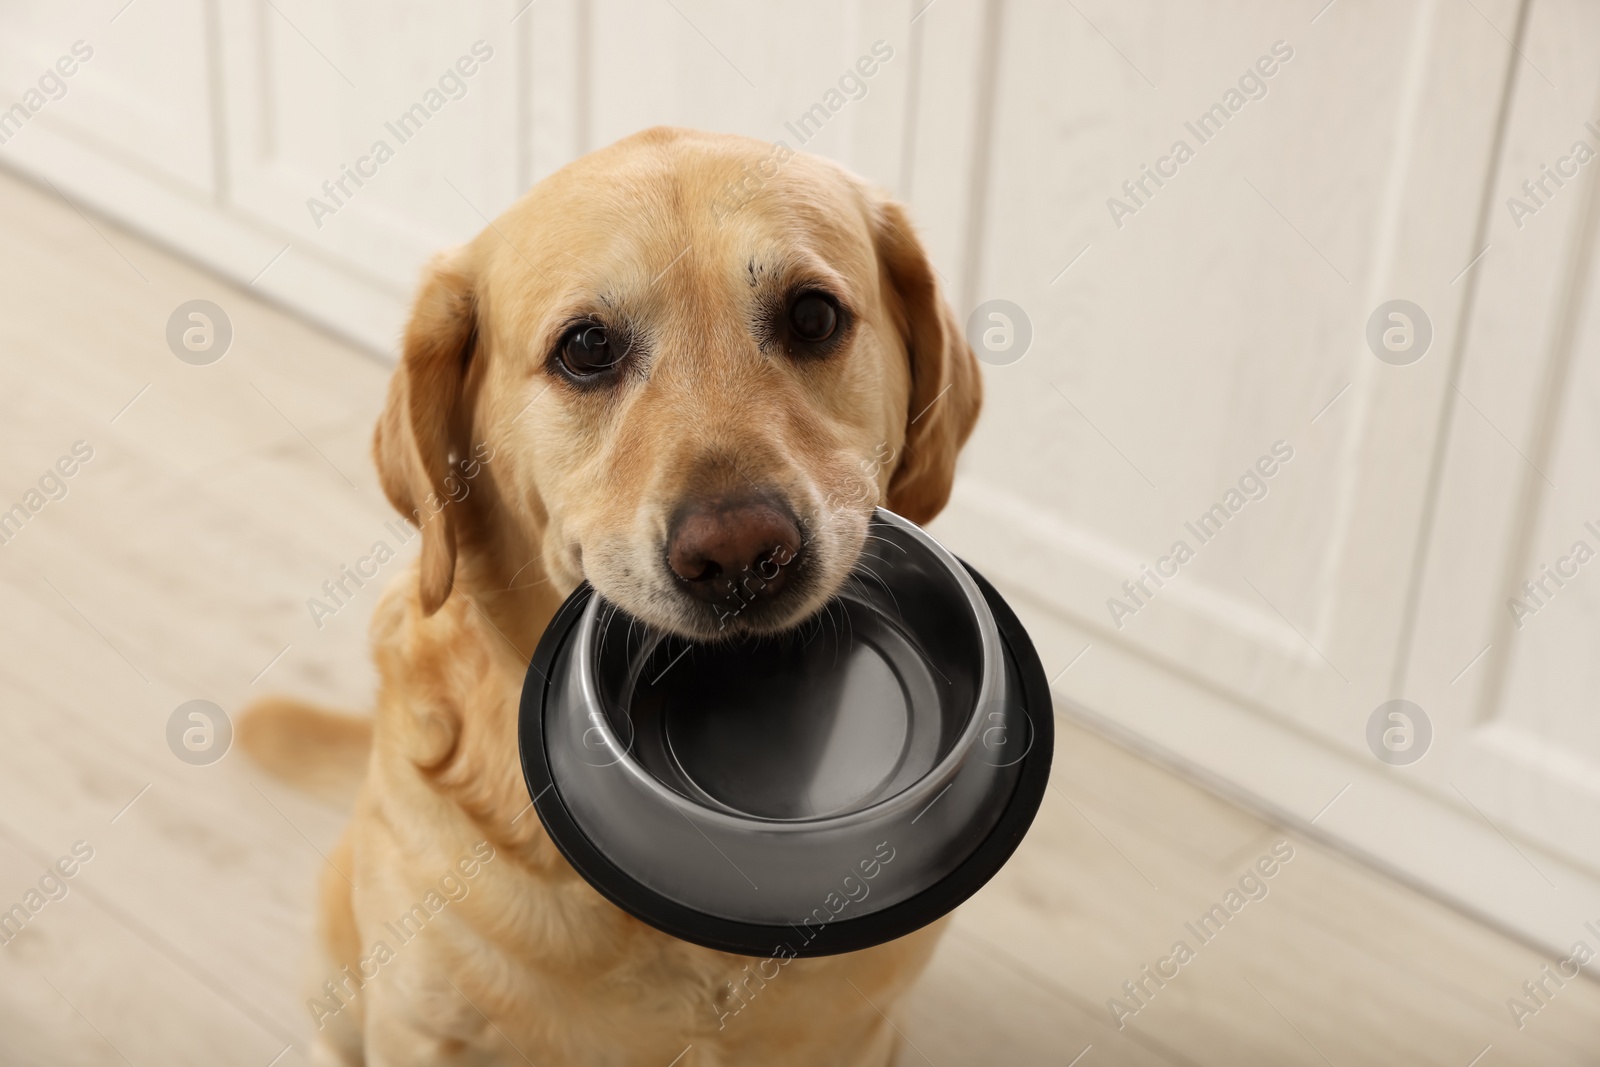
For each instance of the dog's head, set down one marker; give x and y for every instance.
(689, 365)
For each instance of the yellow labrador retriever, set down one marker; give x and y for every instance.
(684, 368)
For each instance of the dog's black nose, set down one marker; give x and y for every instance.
(733, 550)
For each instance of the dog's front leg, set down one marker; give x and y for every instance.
(403, 1031)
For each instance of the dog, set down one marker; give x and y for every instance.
(631, 378)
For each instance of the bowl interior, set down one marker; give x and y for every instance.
(854, 706)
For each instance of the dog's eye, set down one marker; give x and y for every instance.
(813, 317)
(588, 350)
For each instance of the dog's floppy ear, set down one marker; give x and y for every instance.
(946, 387)
(425, 422)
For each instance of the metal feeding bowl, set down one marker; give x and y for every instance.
(816, 792)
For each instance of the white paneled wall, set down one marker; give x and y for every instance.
(218, 125)
(1199, 320)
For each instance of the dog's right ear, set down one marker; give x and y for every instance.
(426, 422)
(946, 387)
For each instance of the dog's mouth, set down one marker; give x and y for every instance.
(764, 600)
(773, 593)
(761, 572)
(743, 562)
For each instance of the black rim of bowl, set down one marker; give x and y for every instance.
(762, 939)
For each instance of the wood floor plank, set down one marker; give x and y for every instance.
(973, 1009)
(84, 985)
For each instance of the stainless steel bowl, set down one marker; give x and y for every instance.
(817, 792)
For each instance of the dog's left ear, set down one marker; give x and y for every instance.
(946, 387)
(426, 420)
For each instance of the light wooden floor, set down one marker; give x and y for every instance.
(178, 566)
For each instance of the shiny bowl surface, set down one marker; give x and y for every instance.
(814, 792)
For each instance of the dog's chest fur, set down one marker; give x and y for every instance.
(556, 967)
